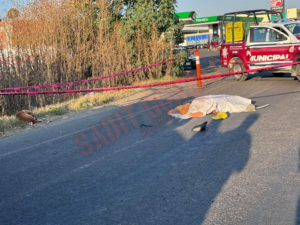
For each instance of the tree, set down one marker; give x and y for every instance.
(167, 21)
(149, 12)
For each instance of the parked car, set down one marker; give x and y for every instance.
(190, 59)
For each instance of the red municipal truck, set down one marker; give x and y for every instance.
(248, 44)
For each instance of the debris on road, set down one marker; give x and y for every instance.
(145, 125)
(200, 127)
(220, 116)
(262, 106)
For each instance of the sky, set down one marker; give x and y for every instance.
(203, 8)
(5, 5)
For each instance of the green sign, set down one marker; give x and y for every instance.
(275, 17)
(206, 19)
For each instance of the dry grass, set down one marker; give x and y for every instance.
(8, 123)
(60, 40)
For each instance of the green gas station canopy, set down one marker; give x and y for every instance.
(188, 15)
(227, 18)
(184, 15)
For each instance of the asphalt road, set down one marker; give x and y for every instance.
(130, 163)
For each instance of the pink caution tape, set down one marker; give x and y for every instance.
(146, 85)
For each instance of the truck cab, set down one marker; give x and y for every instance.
(257, 46)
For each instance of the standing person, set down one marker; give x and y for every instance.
(216, 43)
(208, 45)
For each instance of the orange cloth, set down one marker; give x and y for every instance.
(181, 109)
(196, 114)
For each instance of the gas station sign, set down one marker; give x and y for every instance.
(277, 5)
(238, 32)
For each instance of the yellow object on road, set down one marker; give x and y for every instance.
(220, 116)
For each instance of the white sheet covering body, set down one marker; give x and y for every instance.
(220, 103)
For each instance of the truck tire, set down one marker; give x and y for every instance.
(237, 65)
(298, 71)
(296, 67)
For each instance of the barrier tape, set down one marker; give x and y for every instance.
(72, 83)
(146, 85)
